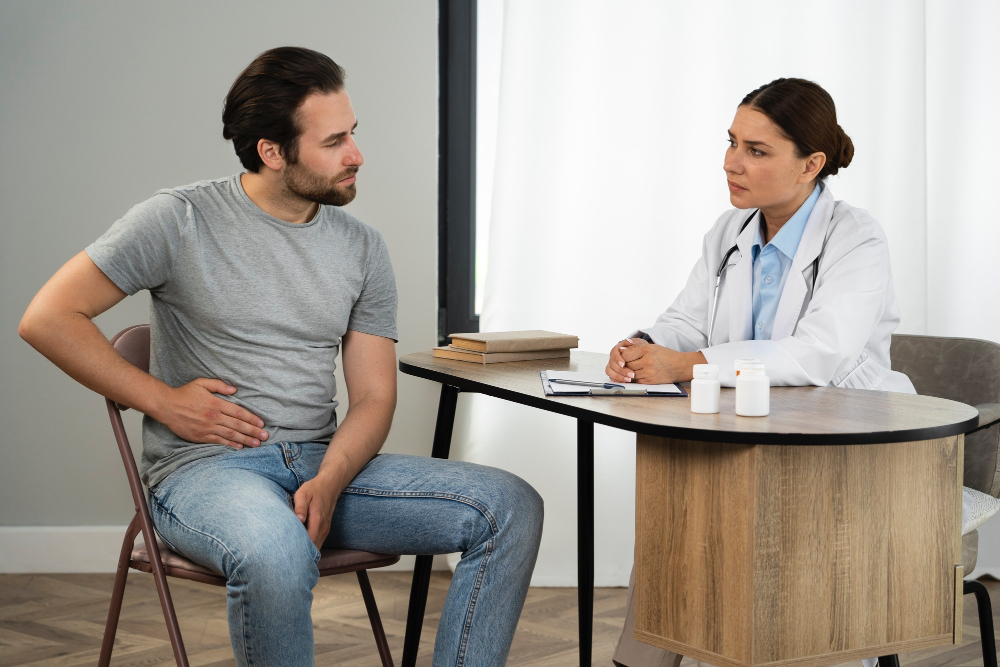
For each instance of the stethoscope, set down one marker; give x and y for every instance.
(724, 266)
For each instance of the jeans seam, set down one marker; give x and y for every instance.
(246, 632)
(289, 457)
(294, 450)
(480, 575)
(467, 626)
(211, 538)
(243, 617)
(154, 501)
(429, 494)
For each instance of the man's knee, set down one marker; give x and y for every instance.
(275, 562)
(515, 505)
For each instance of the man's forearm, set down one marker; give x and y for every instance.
(74, 343)
(356, 441)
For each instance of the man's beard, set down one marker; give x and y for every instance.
(312, 187)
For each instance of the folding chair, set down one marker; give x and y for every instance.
(133, 344)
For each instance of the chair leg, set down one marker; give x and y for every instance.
(170, 616)
(888, 660)
(376, 620)
(985, 620)
(117, 595)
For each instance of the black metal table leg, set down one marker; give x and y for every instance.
(585, 535)
(422, 570)
(985, 619)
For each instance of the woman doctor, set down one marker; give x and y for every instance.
(791, 276)
(807, 288)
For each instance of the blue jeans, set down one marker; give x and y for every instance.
(233, 514)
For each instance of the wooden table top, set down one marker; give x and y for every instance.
(799, 415)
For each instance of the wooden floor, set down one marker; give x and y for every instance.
(58, 620)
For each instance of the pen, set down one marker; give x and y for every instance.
(584, 383)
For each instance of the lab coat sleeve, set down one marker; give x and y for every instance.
(830, 337)
(684, 325)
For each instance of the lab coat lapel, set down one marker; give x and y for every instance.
(796, 287)
(739, 289)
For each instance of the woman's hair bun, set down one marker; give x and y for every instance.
(806, 114)
(846, 149)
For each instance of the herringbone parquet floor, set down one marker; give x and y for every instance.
(58, 620)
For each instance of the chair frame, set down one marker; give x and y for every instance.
(983, 604)
(143, 523)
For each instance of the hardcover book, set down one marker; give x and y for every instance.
(450, 352)
(513, 341)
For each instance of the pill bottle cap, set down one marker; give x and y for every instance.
(752, 367)
(738, 364)
(706, 372)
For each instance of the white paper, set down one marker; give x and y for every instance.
(600, 379)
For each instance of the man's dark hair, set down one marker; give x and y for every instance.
(263, 101)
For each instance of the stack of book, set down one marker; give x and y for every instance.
(490, 348)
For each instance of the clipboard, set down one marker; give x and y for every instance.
(578, 387)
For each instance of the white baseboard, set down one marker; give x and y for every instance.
(69, 549)
(60, 548)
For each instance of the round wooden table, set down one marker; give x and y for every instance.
(827, 531)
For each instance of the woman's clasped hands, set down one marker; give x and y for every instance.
(636, 360)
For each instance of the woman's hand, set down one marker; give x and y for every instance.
(616, 364)
(655, 364)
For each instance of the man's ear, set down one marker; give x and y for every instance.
(270, 154)
(814, 165)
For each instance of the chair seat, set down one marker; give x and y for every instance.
(332, 561)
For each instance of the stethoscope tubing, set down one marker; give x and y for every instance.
(723, 266)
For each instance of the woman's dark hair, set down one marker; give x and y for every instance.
(806, 114)
(263, 100)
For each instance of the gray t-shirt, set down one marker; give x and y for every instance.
(241, 296)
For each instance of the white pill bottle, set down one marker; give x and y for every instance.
(753, 390)
(705, 389)
(738, 364)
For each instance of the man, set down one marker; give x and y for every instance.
(256, 281)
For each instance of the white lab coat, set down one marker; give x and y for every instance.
(837, 336)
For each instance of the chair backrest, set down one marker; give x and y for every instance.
(133, 344)
(959, 369)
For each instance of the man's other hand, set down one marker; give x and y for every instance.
(314, 504)
(193, 412)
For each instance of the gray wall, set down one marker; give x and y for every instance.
(103, 103)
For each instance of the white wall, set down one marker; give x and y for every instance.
(104, 102)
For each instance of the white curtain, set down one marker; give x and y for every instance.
(963, 231)
(608, 171)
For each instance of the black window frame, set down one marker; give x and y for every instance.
(457, 28)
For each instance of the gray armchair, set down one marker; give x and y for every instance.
(965, 370)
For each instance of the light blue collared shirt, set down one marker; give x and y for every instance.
(771, 265)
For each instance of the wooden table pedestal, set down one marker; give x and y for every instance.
(797, 555)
